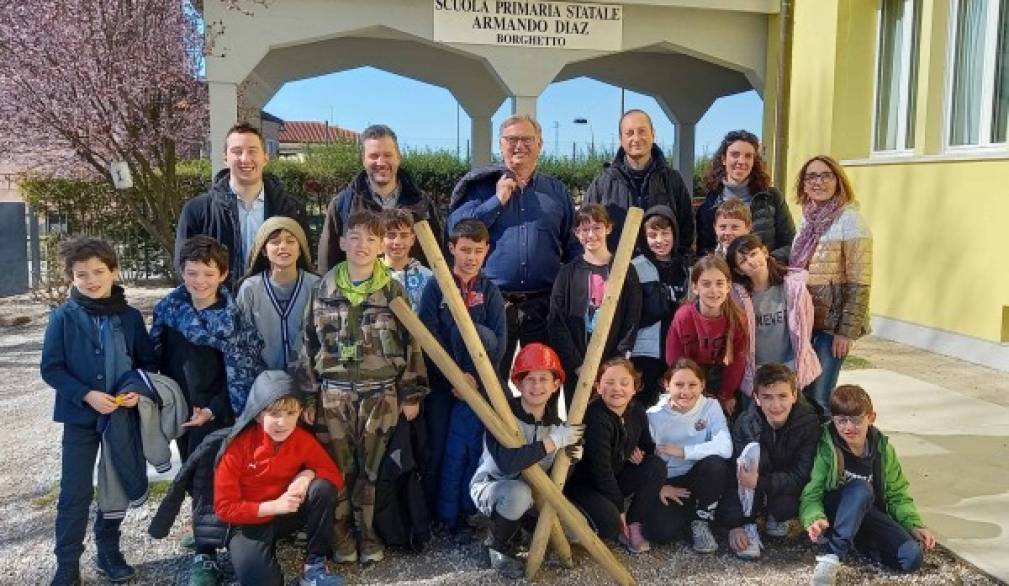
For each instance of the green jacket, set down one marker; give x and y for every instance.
(889, 483)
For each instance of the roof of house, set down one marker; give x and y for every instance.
(267, 117)
(315, 132)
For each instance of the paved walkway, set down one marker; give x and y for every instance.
(955, 451)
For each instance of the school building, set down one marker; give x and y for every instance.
(912, 96)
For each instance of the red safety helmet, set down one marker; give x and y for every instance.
(536, 356)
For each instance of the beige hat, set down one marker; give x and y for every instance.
(270, 226)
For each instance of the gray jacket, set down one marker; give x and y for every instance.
(158, 419)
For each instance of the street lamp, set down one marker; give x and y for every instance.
(592, 134)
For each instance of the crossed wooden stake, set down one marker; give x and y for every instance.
(500, 421)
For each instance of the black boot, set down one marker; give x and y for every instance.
(113, 566)
(67, 574)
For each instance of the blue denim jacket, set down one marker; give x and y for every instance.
(74, 361)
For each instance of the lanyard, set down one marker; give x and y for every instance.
(283, 312)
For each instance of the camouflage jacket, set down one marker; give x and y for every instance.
(358, 344)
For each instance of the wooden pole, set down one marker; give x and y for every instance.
(534, 475)
(586, 377)
(485, 369)
(492, 385)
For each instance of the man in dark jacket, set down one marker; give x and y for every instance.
(241, 199)
(381, 185)
(787, 429)
(530, 217)
(639, 176)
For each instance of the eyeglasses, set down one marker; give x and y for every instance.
(821, 177)
(842, 420)
(526, 141)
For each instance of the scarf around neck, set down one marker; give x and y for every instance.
(356, 294)
(817, 218)
(111, 305)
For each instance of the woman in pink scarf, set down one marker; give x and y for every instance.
(834, 245)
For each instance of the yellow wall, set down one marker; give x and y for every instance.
(940, 226)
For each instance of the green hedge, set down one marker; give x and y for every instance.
(90, 207)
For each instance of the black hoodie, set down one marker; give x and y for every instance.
(215, 214)
(616, 189)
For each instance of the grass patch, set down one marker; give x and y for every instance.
(853, 362)
(156, 492)
(157, 489)
(48, 499)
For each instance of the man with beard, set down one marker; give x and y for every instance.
(381, 185)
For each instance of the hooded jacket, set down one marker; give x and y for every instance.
(253, 468)
(890, 486)
(531, 236)
(772, 221)
(500, 463)
(569, 302)
(663, 285)
(800, 330)
(786, 454)
(662, 185)
(357, 197)
(215, 214)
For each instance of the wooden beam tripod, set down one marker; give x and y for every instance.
(502, 423)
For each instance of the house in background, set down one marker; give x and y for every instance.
(289, 139)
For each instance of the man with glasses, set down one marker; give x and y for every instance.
(531, 221)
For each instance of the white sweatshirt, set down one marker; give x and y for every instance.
(702, 432)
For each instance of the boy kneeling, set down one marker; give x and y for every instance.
(274, 478)
(787, 430)
(858, 495)
(497, 489)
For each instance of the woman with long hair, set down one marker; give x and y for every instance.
(738, 171)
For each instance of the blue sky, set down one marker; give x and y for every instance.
(424, 116)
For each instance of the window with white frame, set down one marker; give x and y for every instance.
(896, 74)
(979, 82)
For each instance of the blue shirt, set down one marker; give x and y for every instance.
(249, 221)
(531, 236)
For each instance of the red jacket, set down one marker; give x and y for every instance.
(702, 339)
(255, 469)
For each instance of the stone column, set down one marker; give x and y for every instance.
(223, 112)
(524, 105)
(684, 159)
(481, 141)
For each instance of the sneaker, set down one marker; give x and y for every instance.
(317, 574)
(67, 575)
(753, 546)
(704, 541)
(508, 566)
(113, 566)
(204, 571)
(825, 573)
(371, 551)
(635, 542)
(775, 528)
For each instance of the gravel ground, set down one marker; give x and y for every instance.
(31, 465)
